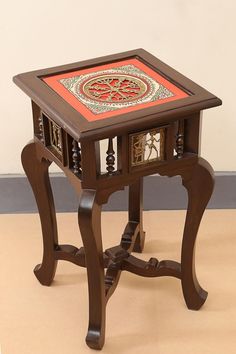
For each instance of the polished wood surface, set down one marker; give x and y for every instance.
(76, 125)
(76, 150)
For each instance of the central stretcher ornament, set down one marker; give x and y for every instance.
(116, 88)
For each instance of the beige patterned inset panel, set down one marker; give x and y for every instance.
(116, 88)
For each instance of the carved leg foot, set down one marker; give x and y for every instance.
(136, 212)
(37, 173)
(199, 187)
(89, 214)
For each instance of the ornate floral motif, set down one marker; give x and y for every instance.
(115, 88)
(112, 89)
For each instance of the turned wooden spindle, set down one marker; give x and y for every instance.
(180, 140)
(76, 158)
(110, 159)
(40, 123)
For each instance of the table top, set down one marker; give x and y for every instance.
(112, 89)
(104, 95)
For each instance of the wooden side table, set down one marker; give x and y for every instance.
(150, 115)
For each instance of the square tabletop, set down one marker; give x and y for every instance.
(94, 97)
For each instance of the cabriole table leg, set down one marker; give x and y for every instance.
(37, 172)
(89, 215)
(199, 187)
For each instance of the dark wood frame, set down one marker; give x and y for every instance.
(182, 119)
(76, 125)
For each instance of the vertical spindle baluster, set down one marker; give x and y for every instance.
(180, 140)
(110, 159)
(40, 123)
(76, 158)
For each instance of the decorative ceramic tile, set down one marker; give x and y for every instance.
(115, 88)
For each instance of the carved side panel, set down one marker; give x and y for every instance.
(147, 147)
(54, 138)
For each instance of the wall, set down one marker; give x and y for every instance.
(195, 37)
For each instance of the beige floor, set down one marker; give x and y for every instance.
(143, 316)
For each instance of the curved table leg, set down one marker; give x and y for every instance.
(136, 212)
(89, 215)
(199, 187)
(37, 173)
